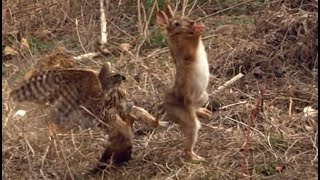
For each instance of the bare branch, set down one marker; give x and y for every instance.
(103, 23)
(228, 83)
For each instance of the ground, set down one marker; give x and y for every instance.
(273, 43)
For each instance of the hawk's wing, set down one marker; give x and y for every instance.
(65, 89)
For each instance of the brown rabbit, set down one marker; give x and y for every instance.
(183, 102)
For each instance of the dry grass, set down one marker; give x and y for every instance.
(276, 47)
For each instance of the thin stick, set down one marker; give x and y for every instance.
(145, 30)
(75, 146)
(193, 5)
(42, 174)
(8, 118)
(140, 26)
(149, 19)
(94, 116)
(314, 143)
(247, 126)
(184, 6)
(144, 20)
(44, 157)
(148, 140)
(228, 83)
(29, 145)
(120, 29)
(290, 107)
(42, 161)
(66, 162)
(79, 38)
(103, 23)
(88, 55)
(234, 104)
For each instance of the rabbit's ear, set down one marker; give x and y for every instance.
(168, 9)
(162, 19)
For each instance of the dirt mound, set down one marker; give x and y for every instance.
(283, 40)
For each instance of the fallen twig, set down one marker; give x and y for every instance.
(88, 55)
(234, 104)
(103, 23)
(228, 83)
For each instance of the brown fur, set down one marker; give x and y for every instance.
(183, 102)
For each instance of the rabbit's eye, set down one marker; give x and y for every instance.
(177, 24)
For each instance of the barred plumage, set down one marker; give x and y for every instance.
(66, 89)
(94, 97)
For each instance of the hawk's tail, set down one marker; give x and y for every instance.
(39, 88)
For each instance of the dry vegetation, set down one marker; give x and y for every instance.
(274, 43)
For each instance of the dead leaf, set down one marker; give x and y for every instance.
(24, 43)
(238, 136)
(229, 129)
(125, 46)
(279, 168)
(9, 51)
(310, 112)
(20, 113)
(163, 123)
(308, 128)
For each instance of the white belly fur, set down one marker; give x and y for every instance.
(201, 76)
